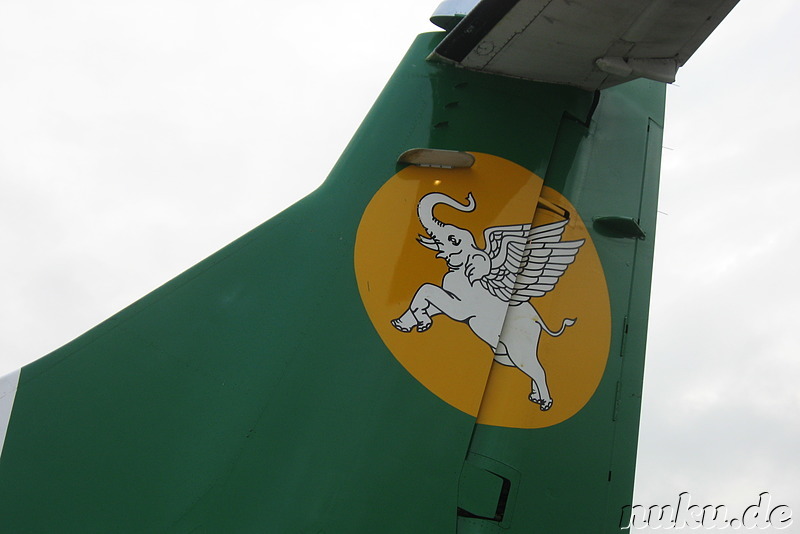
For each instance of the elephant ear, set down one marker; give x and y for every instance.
(527, 262)
(477, 266)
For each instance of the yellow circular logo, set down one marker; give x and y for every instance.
(486, 287)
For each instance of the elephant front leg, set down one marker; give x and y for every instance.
(413, 317)
(427, 302)
(405, 322)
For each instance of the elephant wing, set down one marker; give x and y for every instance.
(528, 265)
(505, 246)
(544, 261)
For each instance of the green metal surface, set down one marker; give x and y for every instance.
(252, 393)
(579, 474)
(479, 491)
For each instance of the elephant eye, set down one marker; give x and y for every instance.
(453, 240)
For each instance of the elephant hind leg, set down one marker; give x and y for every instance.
(501, 355)
(540, 394)
(536, 398)
(526, 359)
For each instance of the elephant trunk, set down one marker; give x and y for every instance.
(429, 201)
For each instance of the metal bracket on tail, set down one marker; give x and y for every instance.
(433, 157)
(555, 208)
(615, 226)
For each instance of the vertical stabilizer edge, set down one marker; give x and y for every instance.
(8, 390)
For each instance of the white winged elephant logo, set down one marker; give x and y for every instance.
(490, 289)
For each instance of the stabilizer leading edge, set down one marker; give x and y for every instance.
(8, 390)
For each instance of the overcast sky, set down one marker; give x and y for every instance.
(137, 138)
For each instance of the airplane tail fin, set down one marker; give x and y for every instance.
(265, 389)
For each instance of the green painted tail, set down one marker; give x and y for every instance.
(253, 393)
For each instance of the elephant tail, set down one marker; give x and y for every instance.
(564, 324)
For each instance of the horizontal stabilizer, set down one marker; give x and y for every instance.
(591, 44)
